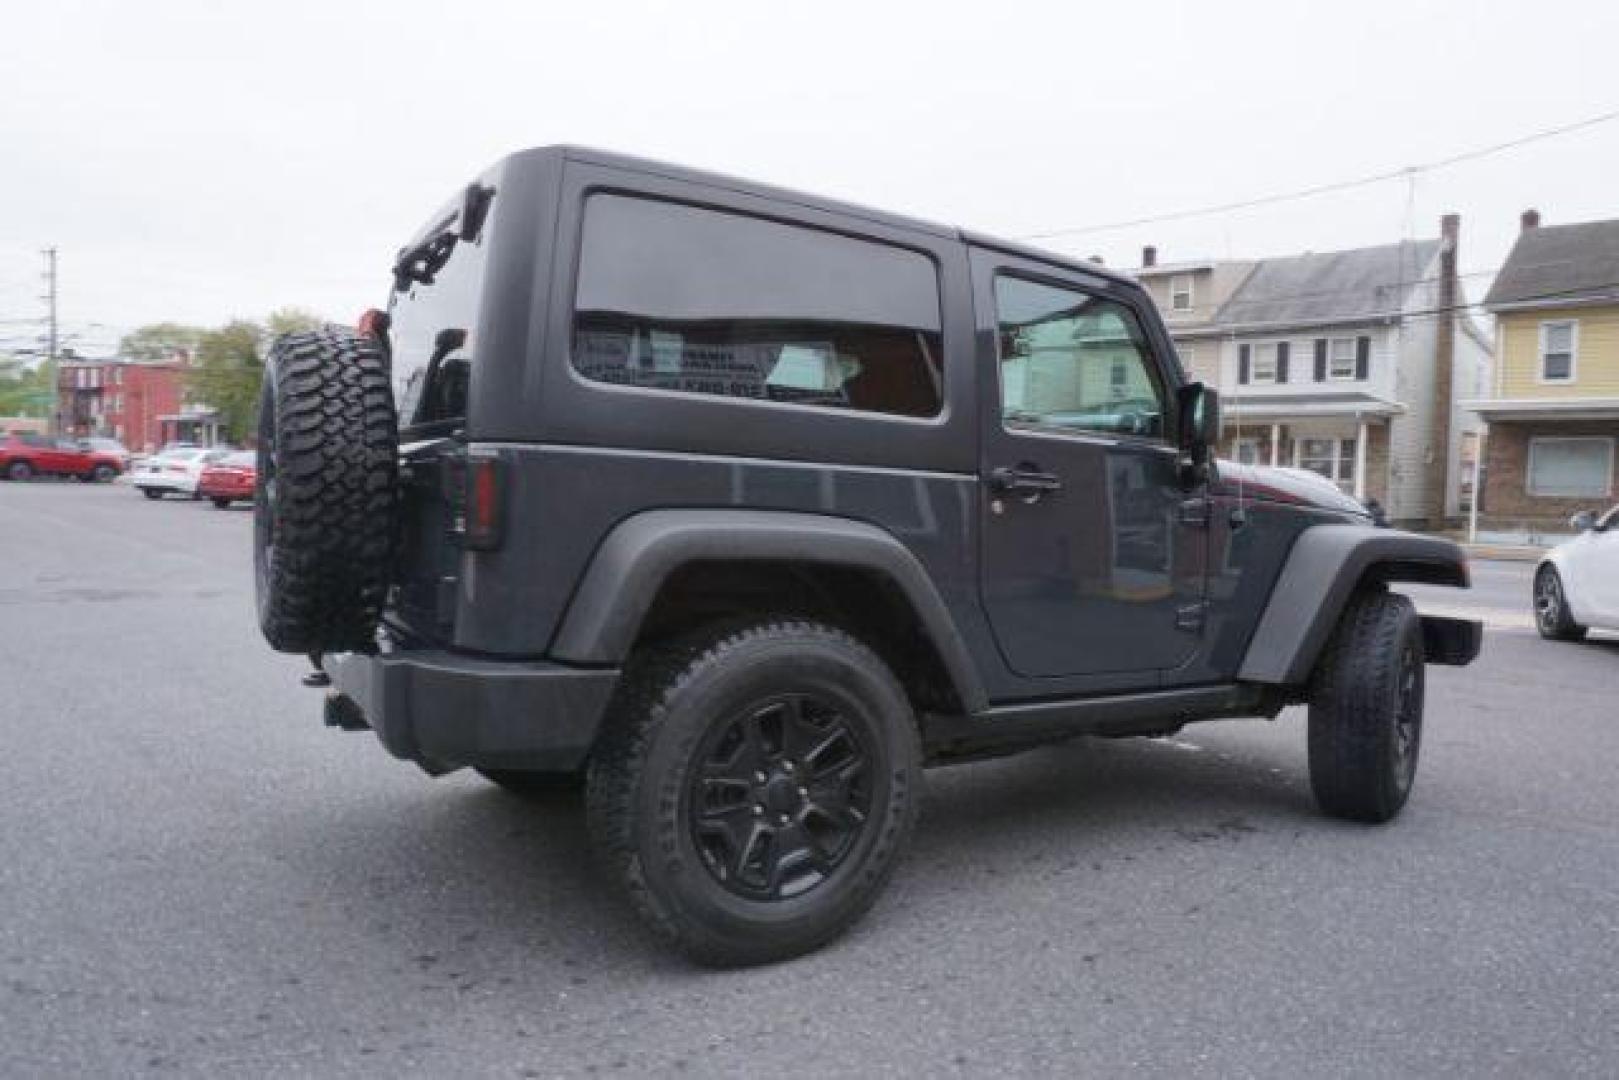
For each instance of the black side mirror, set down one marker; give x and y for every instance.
(1199, 421)
(1584, 521)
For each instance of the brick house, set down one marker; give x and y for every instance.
(120, 399)
(1345, 363)
(1553, 406)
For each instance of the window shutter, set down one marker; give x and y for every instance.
(1363, 357)
(1320, 359)
(1281, 361)
(1244, 361)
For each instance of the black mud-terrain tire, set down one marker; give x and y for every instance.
(645, 816)
(326, 503)
(1366, 704)
(1552, 616)
(534, 784)
(19, 471)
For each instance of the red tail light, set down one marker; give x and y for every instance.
(373, 323)
(483, 506)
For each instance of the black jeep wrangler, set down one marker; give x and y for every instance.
(743, 506)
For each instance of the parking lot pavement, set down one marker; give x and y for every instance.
(198, 879)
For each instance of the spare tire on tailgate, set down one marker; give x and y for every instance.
(326, 502)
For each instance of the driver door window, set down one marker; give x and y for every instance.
(1076, 362)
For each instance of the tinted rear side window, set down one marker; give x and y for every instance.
(674, 297)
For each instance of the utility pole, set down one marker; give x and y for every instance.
(52, 340)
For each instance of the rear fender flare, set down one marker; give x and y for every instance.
(640, 553)
(1327, 564)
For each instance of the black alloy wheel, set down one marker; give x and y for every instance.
(779, 795)
(754, 786)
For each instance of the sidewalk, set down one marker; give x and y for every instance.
(1507, 552)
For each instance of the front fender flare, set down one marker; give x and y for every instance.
(1323, 570)
(639, 554)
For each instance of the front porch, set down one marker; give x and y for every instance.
(1544, 461)
(1348, 443)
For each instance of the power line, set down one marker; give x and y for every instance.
(1324, 189)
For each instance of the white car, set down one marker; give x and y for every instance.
(174, 471)
(1577, 583)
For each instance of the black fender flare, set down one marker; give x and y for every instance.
(636, 557)
(1324, 568)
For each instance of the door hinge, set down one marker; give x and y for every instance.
(1191, 616)
(1195, 513)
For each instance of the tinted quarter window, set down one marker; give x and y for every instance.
(1069, 359)
(679, 298)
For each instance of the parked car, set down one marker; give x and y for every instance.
(228, 480)
(1577, 582)
(24, 455)
(111, 447)
(746, 505)
(174, 472)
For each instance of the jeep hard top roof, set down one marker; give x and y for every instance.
(769, 191)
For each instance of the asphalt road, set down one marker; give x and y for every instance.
(198, 879)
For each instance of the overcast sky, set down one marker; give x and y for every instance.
(199, 161)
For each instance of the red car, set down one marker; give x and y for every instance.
(229, 479)
(25, 455)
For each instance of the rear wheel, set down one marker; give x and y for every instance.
(223, 504)
(19, 471)
(1366, 710)
(152, 493)
(1552, 617)
(103, 474)
(326, 499)
(754, 788)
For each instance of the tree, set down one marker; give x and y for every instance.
(290, 320)
(226, 374)
(229, 366)
(160, 341)
(24, 390)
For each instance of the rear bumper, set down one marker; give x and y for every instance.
(444, 710)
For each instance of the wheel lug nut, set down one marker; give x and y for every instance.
(803, 793)
(758, 810)
(759, 778)
(786, 766)
(784, 819)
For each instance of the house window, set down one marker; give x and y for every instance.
(1180, 292)
(1558, 344)
(1332, 458)
(1188, 355)
(1571, 468)
(1248, 451)
(1341, 358)
(1264, 369)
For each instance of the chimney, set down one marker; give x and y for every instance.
(1444, 368)
(1149, 256)
(1529, 219)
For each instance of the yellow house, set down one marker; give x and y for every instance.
(1553, 412)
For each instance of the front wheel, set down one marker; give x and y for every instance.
(222, 504)
(19, 471)
(1552, 617)
(754, 788)
(152, 493)
(103, 474)
(1366, 710)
